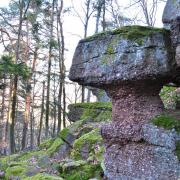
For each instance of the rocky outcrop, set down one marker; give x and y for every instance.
(78, 110)
(171, 20)
(100, 94)
(128, 54)
(131, 64)
(76, 153)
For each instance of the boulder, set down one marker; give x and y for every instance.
(171, 11)
(132, 64)
(100, 94)
(171, 19)
(79, 110)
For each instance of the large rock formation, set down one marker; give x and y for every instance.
(76, 153)
(171, 20)
(132, 64)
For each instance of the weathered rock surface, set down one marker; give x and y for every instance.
(76, 153)
(171, 11)
(100, 94)
(112, 58)
(159, 136)
(171, 20)
(138, 161)
(132, 64)
(76, 111)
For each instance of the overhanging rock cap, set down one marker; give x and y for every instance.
(131, 53)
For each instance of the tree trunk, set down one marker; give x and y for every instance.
(64, 106)
(41, 117)
(28, 96)
(104, 15)
(12, 115)
(61, 63)
(2, 123)
(54, 110)
(49, 72)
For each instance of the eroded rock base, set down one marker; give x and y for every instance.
(140, 161)
(135, 148)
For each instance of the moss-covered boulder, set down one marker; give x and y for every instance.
(63, 157)
(82, 110)
(81, 170)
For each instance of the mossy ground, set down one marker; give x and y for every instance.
(43, 176)
(85, 130)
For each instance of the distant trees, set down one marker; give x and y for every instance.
(33, 73)
(149, 10)
(32, 28)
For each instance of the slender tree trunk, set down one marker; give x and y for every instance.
(28, 96)
(27, 117)
(99, 9)
(12, 114)
(64, 106)
(14, 90)
(63, 75)
(54, 110)
(49, 72)
(2, 123)
(59, 107)
(8, 120)
(41, 117)
(61, 56)
(104, 15)
(89, 95)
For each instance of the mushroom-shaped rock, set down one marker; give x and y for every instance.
(131, 64)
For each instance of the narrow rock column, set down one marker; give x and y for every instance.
(133, 104)
(136, 103)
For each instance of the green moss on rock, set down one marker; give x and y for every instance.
(104, 116)
(134, 33)
(15, 171)
(63, 134)
(89, 113)
(43, 176)
(46, 144)
(85, 172)
(90, 139)
(167, 122)
(27, 155)
(55, 146)
(4, 161)
(95, 105)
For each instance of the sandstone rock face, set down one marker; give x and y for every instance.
(100, 94)
(171, 11)
(171, 19)
(132, 64)
(111, 58)
(137, 161)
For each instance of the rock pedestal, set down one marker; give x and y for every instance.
(132, 64)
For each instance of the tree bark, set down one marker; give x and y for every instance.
(41, 117)
(49, 72)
